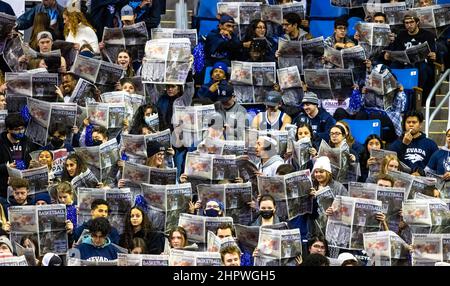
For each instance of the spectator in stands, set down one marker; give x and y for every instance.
(54, 11)
(339, 40)
(222, 44)
(45, 158)
(73, 166)
(440, 160)
(304, 130)
(178, 237)
(233, 113)
(103, 13)
(347, 259)
(412, 36)
(127, 15)
(257, 46)
(127, 84)
(143, 117)
(99, 208)
(44, 41)
(66, 196)
(322, 177)
(373, 142)
(292, 30)
(315, 260)
(41, 23)
(137, 224)
(6, 8)
(3, 102)
(319, 119)
(318, 245)
(147, 11)
(96, 246)
(139, 246)
(6, 249)
(57, 134)
(267, 150)
(267, 211)
(218, 76)
(20, 188)
(64, 91)
(15, 148)
(273, 118)
(356, 147)
(78, 30)
(125, 61)
(165, 105)
(231, 256)
(413, 148)
(389, 163)
(384, 180)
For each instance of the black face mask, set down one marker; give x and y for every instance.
(56, 142)
(266, 214)
(212, 213)
(96, 142)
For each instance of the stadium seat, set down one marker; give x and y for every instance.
(360, 129)
(323, 28)
(207, 8)
(351, 25)
(409, 79)
(205, 26)
(207, 75)
(323, 9)
(439, 2)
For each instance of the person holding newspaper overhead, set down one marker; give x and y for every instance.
(413, 36)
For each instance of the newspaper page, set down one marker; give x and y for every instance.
(66, 114)
(402, 180)
(301, 151)
(83, 93)
(167, 33)
(13, 260)
(392, 201)
(432, 16)
(11, 51)
(386, 248)
(124, 259)
(7, 23)
(212, 223)
(289, 77)
(85, 198)
(120, 202)
(416, 213)
(325, 198)
(277, 246)
(421, 185)
(85, 179)
(429, 249)
(312, 53)
(353, 57)
(17, 91)
(179, 257)
(194, 226)
(362, 190)
(237, 199)
(334, 154)
(415, 54)
(166, 61)
(394, 11)
(134, 146)
(208, 259)
(348, 3)
(298, 186)
(97, 71)
(257, 74)
(177, 202)
(275, 13)
(290, 54)
(3, 114)
(373, 34)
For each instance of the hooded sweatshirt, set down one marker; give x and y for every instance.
(320, 124)
(440, 161)
(417, 153)
(90, 252)
(270, 167)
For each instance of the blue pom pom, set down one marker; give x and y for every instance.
(25, 113)
(124, 157)
(89, 140)
(20, 164)
(356, 101)
(199, 58)
(140, 201)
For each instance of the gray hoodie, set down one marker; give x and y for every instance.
(270, 167)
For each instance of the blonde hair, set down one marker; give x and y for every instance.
(2, 216)
(65, 188)
(75, 18)
(151, 162)
(386, 161)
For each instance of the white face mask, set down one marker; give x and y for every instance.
(148, 120)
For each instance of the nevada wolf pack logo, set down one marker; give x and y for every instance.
(413, 158)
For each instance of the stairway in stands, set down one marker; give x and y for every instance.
(439, 124)
(169, 19)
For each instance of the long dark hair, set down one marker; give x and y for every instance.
(321, 239)
(307, 125)
(365, 155)
(81, 167)
(250, 33)
(128, 231)
(138, 118)
(129, 71)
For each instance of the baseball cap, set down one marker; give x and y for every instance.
(225, 91)
(7, 242)
(51, 259)
(221, 66)
(310, 97)
(225, 18)
(273, 98)
(44, 35)
(127, 13)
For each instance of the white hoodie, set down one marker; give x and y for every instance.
(270, 167)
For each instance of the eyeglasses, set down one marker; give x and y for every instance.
(335, 133)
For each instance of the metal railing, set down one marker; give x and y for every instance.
(429, 118)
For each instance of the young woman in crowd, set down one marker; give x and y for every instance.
(137, 224)
(78, 30)
(125, 61)
(373, 142)
(257, 46)
(142, 116)
(178, 237)
(73, 166)
(389, 163)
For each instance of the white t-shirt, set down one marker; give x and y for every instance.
(85, 35)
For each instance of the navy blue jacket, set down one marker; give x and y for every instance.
(151, 15)
(321, 124)
(6, 8)
(221, 49)
(417, 153)
(440, 161)
(204, 91)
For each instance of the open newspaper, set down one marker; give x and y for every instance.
(3, 114)
(72, 261)
(350, 219)
(13, 260)
(38, 85)
(169, 33)
(7, 23)
(243, 13)
(433, 16)
(281, 136)
(426, 216)
(392, 199)
(190, 258)
(386, 248)
(235, 198)
(259, 74)
(83, 93)
(421, 185)
(291, 84)
(197, 226)
(108, 115)
(131, 102)
(37, 178)
(275, 13)
(415, 54)
(10, 52)
(124, 259)
(52, 59)
(166, 61)
(85, 179)
(290, 54)
(248, 236)
(394, 11)
(215, 243)
(301, 151)
(68, 51)
(168, 202)
(312, 53)
(278, 247)
(44, 115)
(135, 146)
(348, 3)
(119, 201)
(373, 34)
(291, 192)
(350, 58)
(330, 83)
(97, 71)
(382, 83)
(45, 223)
(441, 184)
(135, 174)
(430, 248)
(379, 155)
(221, 147)
(212, 167)
(130, 37)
